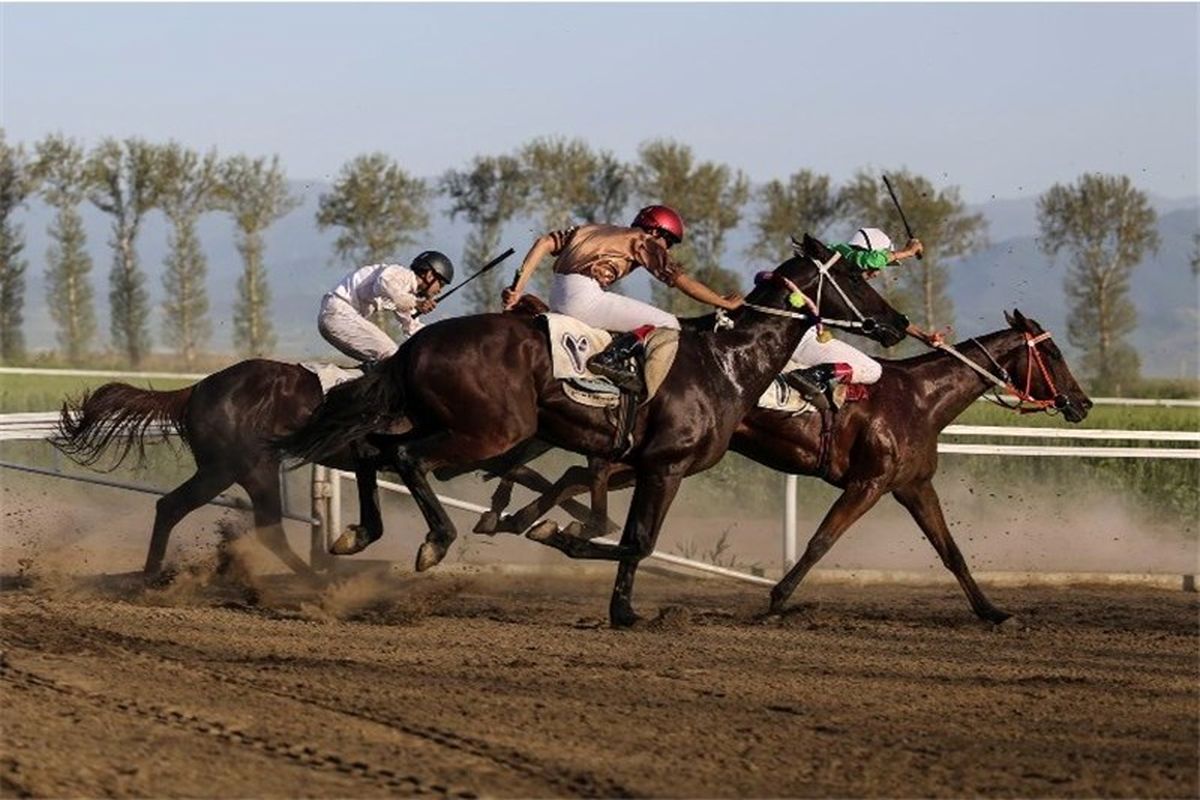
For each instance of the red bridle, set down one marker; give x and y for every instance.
(1026, 402)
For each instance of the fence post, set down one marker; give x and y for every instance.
(318, 552)
(789, 522)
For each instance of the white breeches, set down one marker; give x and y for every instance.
(811, 352)
(352, 333)
(581, 297)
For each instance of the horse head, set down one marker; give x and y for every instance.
(1038, 369)
(840, 292)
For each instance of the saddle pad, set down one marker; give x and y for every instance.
(330, 375)
(573, 342)
(779, 396)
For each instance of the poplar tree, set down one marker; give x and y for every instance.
(16, 183)
(805, 203)
(190, 185)
(255, 193)
(1105, 226)
(710, 198)
(377, 206)
(123, 183)
(488, 194)
(570, 183)
(69, 295)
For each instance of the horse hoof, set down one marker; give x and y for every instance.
(624, 619)
(353, 540)
(488, 522)
(574, 529)
(543, 532)
(430, 555)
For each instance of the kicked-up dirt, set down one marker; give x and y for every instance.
(513, 685)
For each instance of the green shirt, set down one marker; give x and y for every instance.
(863, 259)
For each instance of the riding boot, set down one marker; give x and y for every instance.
(815, 384)
(619, 363)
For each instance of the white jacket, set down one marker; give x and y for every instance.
(382, 287)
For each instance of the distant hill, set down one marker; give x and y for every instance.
(1010, 272)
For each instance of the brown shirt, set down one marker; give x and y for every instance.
(608, 253)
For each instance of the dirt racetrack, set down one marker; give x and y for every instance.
(510, 685)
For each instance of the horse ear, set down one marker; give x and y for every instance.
(1012, 323)
(813, 247)
(1022, 321)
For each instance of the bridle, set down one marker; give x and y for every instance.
(864, 323)
(1025, 402)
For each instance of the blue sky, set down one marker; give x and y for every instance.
(1002, 100)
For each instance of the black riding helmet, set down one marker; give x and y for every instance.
(438, 262)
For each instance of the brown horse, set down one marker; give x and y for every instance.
(884, 444)
(222, 419)
(474, 388)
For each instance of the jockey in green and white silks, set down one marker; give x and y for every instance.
(820, 360)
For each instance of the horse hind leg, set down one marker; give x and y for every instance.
(856, 500)
(171, 508)
(922, 502)
(262, 484)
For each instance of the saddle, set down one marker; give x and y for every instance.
(782, 395)
(573, 342)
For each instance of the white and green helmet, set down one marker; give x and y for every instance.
(870, 239)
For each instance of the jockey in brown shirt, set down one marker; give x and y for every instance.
(590, 258)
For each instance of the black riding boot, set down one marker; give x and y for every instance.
(815, 384)
(617, 362)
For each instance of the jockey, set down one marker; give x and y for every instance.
(405, 291)
(816, 365)
(590, 258)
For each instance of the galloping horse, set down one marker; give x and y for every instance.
(474, 388)
(884, 444)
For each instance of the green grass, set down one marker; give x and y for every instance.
(47, 392)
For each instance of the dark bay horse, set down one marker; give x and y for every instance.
(884, 444)
(224, 420)
(474, 388)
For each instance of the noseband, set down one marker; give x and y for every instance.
(1025, 403)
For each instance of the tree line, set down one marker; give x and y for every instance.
(1102, 224)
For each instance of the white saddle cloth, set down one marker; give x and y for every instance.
(330, 375)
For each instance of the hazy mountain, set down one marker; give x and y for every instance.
(1010, 272)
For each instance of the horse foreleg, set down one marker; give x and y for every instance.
(652, 498)
(262, 484)
(369, 529)
(922, 502)
(177, 504)
(575, 481)
(856, 500)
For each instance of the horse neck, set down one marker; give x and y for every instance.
(757, 349)
(951, 386)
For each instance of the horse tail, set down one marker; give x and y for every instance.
(121, 415)
(349, 411)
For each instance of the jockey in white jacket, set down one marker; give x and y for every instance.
(344, 319)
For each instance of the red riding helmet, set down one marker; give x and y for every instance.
(662, 218)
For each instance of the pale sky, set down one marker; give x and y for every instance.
(1002, 100)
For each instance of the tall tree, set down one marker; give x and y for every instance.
(69, 296)
(570, 184)
(806, 203)
(123, 182)
(190, 184)
(1196, 254)
(377, 205)
(938, 217)
(16, 183)
(492, 191)
(255, 193)
(1106, 226)
(710, 197)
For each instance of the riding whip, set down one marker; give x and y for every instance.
(495, 262)
(903, 218)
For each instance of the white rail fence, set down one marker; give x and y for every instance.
(326, 495)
